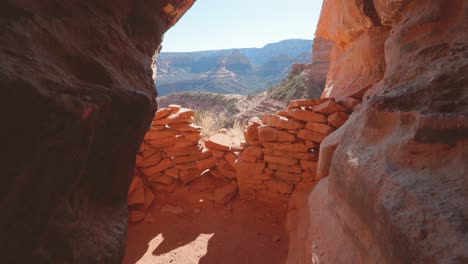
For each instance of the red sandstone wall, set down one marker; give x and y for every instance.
(77, 99)
(395, 174)
(321, 50)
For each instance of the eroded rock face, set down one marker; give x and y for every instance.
(77, 100)
(396, 189)
(357, 56)
(321, 50)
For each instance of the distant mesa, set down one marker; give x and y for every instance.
(239, 71)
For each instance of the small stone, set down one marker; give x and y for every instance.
(318, 127)
(186, 159)
(231, 158)
(163, 142)
(162, 165)
(149, 161)
(281, 122)
(338, 119)
(136, 195)
(191, 150)
(174, 107)
(161, 113)
(226, 169)
(270, 134)
(308, 116)
(251, 133)
(311, 135)
(349, 103)
(253, 151)
(207, 163)
(186, 166)
(161, 179)
(328, 107)
(307, 102)
(185, 126)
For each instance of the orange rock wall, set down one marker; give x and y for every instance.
(317, 70)
(393, 187)
(321, 53)
(357, 56)
(172, 155)
(281, 151)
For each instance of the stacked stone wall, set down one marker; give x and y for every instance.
(280, 151)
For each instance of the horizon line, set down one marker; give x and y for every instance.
(162, 50)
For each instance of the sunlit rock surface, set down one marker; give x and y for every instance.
(396, 189)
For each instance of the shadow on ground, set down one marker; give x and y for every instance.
(188, 228)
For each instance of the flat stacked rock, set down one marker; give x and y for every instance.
(170, 155)
(282, 149)
(140, 198)
(279, 151)
(225, 150)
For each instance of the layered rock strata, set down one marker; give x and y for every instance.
(395, 174)
(78, 97)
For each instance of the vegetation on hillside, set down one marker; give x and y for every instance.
(215, 111)
(292, 87)
(232, 71)
(211, 123)
(215, 100)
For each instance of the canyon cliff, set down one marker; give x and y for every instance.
(305, 80)
(229, 71)
(391, 181)
(77, 99)
(394, 177)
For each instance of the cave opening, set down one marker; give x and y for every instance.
(218, 170)
(383, 147)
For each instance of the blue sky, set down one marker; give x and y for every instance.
(222, 24)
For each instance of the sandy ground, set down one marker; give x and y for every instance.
(188, 228)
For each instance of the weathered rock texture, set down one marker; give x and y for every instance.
(281, 151)
(314, 74)
(321, 50)
(172, 155)
(77, 98)
(397, 171)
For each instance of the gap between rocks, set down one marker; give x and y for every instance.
(207, 200)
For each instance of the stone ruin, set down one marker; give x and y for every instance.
(279, 152)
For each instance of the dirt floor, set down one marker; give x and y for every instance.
(187, 227)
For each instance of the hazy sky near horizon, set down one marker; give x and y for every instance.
(223, 24)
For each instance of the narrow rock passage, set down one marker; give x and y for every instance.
(188, 227)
